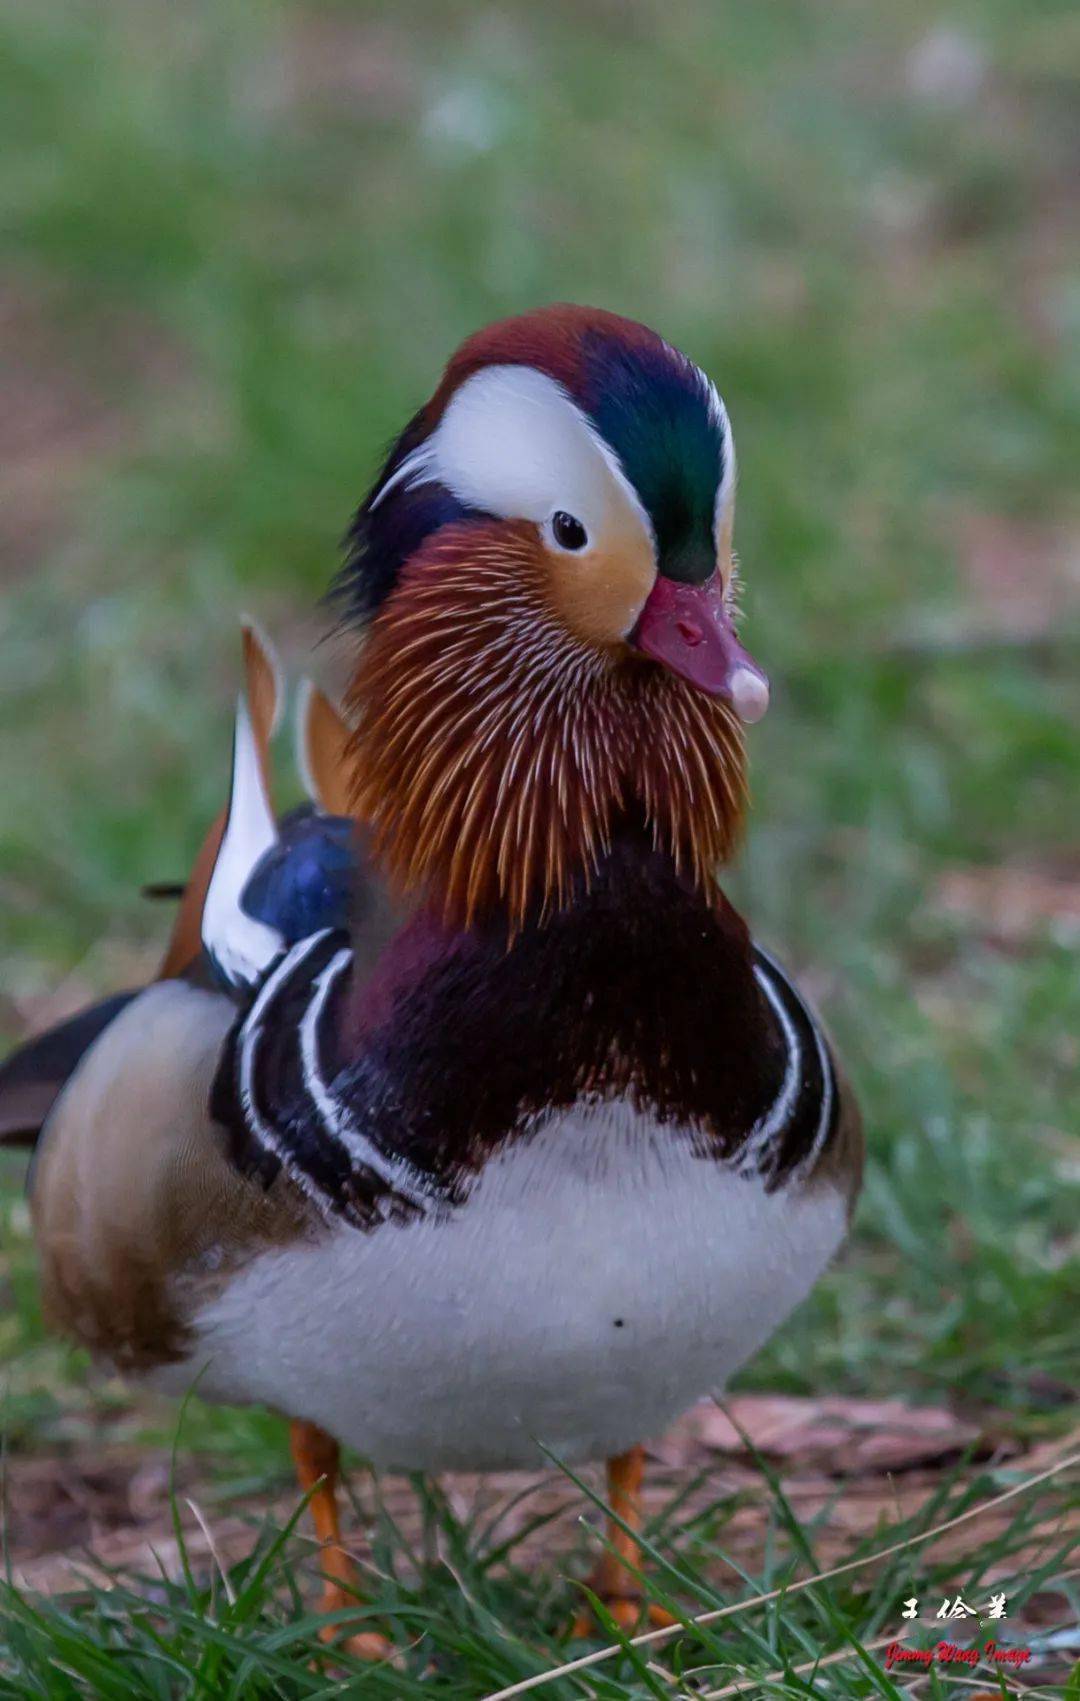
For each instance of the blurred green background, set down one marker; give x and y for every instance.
(241, 241)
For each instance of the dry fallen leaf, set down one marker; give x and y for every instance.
(851, 1437)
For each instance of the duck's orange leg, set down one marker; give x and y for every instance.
(317, 1459)
(614, 1580)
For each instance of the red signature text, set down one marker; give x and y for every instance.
(950, 1654)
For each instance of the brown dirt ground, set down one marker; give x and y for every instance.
(857, 1466)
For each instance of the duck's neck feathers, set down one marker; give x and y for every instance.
(496, 754)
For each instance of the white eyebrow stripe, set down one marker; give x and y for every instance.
(521, 384)
(513, 442)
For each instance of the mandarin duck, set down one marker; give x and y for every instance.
(531, 1165)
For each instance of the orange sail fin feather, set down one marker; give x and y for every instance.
(264, 691)
(322, 750)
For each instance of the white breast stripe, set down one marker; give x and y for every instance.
(775, 995)
(828, 1090)
(775, 1118)
(250, 1034)
(396, 1174)
(761, 1155)
(325, 1103)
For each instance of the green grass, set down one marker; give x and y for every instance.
(469, 1622)
(246, 238)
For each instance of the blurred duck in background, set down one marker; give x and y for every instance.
(544, 1157)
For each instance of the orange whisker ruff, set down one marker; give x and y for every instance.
(495, 751)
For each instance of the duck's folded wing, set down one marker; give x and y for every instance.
(137, 1207)
(33, 1077)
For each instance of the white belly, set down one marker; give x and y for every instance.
(598, 1279)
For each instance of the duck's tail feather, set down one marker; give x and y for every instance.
(264, 687)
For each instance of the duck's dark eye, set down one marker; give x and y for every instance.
(568, 532)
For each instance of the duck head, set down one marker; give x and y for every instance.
(545, 576)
